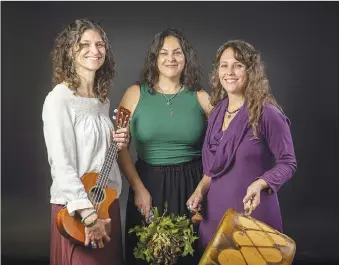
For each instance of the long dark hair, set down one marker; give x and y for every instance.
(257, 90)
(63, 60)
(191, 75)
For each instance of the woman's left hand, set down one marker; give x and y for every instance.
(121, 136)
(253, 195)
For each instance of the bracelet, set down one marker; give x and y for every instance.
(83, 219)
(91, 224)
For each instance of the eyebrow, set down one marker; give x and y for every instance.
(173, 50)
(236, 61)
(87, 41)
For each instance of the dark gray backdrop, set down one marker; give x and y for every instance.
(299, 45)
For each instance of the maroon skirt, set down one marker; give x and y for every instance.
(63, 252)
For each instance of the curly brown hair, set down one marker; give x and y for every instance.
(63, 58)
(256, 91)
(191, 75)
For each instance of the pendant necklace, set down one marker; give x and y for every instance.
(168, 100)
(229, 113)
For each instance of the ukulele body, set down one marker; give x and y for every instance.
(71, 227)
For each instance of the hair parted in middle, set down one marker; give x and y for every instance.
(67, 45)
(191, 75)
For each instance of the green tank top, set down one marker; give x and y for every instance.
(168, 134)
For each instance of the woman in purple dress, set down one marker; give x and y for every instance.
(248, 152)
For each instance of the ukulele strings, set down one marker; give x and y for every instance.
(99, 195)
(103, 177)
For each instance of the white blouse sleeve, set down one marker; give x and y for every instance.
(58, 126)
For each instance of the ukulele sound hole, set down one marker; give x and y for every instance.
(97, 195)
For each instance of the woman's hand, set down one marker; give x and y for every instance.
(122, 137)
(198, 195)
(252, 198)
(143, 201)
(96, 234)
(194, 201)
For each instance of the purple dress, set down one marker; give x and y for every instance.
(233, 159)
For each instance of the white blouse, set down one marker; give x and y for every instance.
(77, 133)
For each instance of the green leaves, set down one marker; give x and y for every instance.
(165, 239)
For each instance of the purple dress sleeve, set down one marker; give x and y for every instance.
(275, 129)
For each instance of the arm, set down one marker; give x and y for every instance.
(130, 101)
(199, 192)
(204, 101)
(61, 149)
(142, 197)
(275, 128)
(276, 131)
(128, 169)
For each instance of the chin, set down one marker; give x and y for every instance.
(94, 67)
(231, 90)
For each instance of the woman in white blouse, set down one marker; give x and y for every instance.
(78, 132)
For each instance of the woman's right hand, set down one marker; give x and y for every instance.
(96, 234)
(198, 195)
(194, 201)
(143, 201)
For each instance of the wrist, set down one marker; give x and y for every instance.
(262, 184)
(91, 220)
(88, 216)
(137, 187)
(85, 212)
(203, 188)
(200, 189)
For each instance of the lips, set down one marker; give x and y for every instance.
(231, 81)
(93, 58)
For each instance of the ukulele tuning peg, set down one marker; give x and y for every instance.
(114, 115)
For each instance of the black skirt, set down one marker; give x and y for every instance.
(173, 184)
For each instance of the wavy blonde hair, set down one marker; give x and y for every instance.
(256, 91)
(63, 58)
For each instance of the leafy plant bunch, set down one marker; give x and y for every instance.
(166, 238)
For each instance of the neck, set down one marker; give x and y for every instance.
(87, 82)
(235, 101)
(169, 85)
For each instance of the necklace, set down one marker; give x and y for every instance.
(171, 110)
(169, 99)
(231, 112)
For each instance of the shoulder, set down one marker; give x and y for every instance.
(203, 95)
(57, 102)
(215, 110)
(59, 95)
(204, 101)
(272, 115)
(131, 97)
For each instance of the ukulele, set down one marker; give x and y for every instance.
(97, 189)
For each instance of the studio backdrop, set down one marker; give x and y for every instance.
(299, 44)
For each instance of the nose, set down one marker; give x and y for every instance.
(94, 49)
(171, 57)
(230, 70)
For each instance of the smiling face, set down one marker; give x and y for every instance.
(232, 73)
(171, 58)
(91, 51)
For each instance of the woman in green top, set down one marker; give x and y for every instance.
(169, 110)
